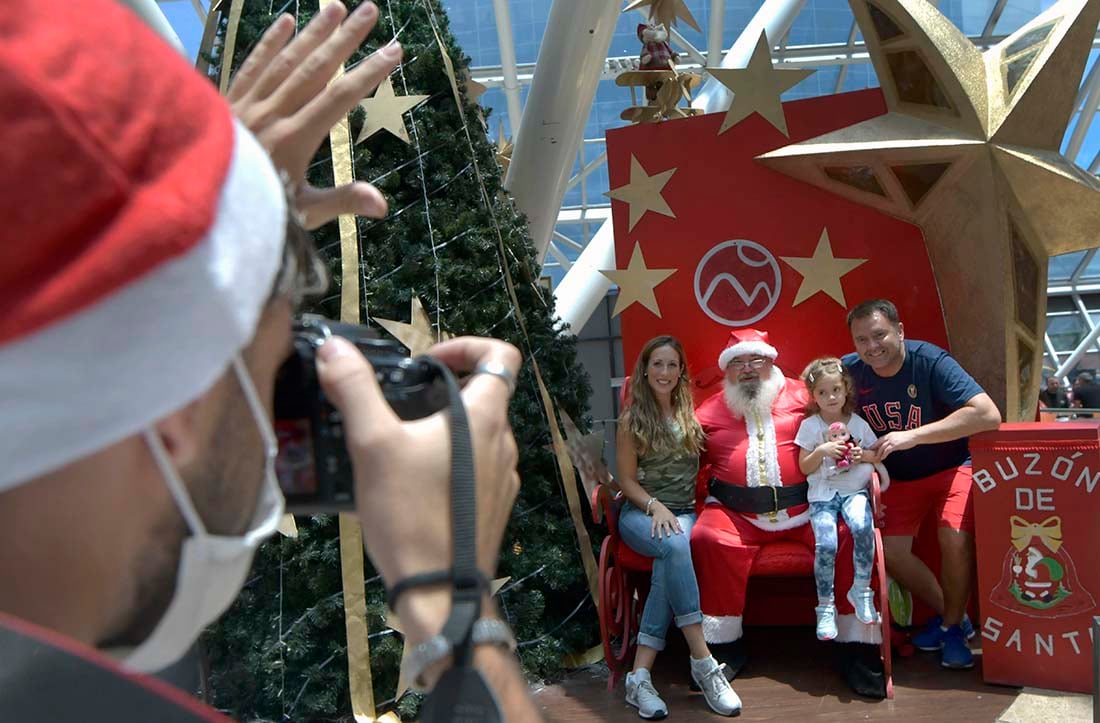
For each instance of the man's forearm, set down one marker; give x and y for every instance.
(961, 423)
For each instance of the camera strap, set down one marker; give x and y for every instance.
(461, 693)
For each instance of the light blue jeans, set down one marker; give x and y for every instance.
(856, 509)
(673, 592)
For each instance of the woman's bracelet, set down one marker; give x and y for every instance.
(649, 504)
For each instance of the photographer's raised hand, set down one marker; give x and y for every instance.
(282, 94)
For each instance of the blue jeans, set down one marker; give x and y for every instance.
(673, 591)
(856, 509)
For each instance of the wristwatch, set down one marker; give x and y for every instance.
(487, 631)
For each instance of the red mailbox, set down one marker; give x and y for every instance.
(1037, 517)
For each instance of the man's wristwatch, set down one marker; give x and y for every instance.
(487, 631)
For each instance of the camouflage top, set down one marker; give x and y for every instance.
(670, 476)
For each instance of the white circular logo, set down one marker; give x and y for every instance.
(737, 282)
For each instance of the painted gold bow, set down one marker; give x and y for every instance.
(1049, 531)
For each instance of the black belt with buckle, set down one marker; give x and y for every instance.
(757, 500)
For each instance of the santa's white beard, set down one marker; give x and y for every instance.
(757, 395)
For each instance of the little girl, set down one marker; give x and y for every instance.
(837, 489)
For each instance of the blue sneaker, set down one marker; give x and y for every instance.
(956, 653)
(931, 638)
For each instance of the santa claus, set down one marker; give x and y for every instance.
(756, 496)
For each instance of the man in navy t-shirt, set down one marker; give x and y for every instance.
(924, 407)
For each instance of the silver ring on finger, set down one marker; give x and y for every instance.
(497, 369)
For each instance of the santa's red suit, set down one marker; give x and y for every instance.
(753, 452)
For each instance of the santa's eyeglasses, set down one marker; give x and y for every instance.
(757, 363)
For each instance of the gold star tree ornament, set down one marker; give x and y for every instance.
(822, 272)
(969, 151)
(417, 336)
(386, 112)
(474, 90)
(643, 193)
(637, 283)
(504, 150)
(665, 12)
(758, 87)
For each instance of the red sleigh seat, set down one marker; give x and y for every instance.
(779, 559)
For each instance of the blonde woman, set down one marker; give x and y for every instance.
(658, 460)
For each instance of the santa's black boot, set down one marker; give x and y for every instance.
(861, 666)
(734, 655)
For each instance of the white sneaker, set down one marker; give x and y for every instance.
(641, 694)
(711, 677)
(826, 622)
(863, 600)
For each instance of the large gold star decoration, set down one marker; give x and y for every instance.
(969, 151)
(637, 283)
(822, 272)
(386, 111)
(418, 335)
(666, 12)
(757, 88)
(643, 193)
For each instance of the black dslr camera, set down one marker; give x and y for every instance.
(313, 467)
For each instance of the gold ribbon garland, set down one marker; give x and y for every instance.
(231, 43)
(355, 619)
(351, 534)
(1049, 531)
(209, 34)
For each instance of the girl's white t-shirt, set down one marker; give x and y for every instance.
(811, 433)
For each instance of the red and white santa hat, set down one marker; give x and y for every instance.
(746, 341)
(141, 235)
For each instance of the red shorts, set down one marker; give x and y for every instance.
(945, 494)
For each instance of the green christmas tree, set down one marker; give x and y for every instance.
(280, 652)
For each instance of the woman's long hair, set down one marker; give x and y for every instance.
(643, 413)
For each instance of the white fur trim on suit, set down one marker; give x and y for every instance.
(851, 630)
(718, 629)
(783, 521)
(743, 348)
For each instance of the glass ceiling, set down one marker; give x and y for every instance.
(821, 22)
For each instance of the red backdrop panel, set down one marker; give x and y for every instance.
(741, 218)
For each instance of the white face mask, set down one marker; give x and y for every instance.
(212, 567)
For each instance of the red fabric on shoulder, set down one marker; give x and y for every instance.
(114, 154)
(172, 697)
